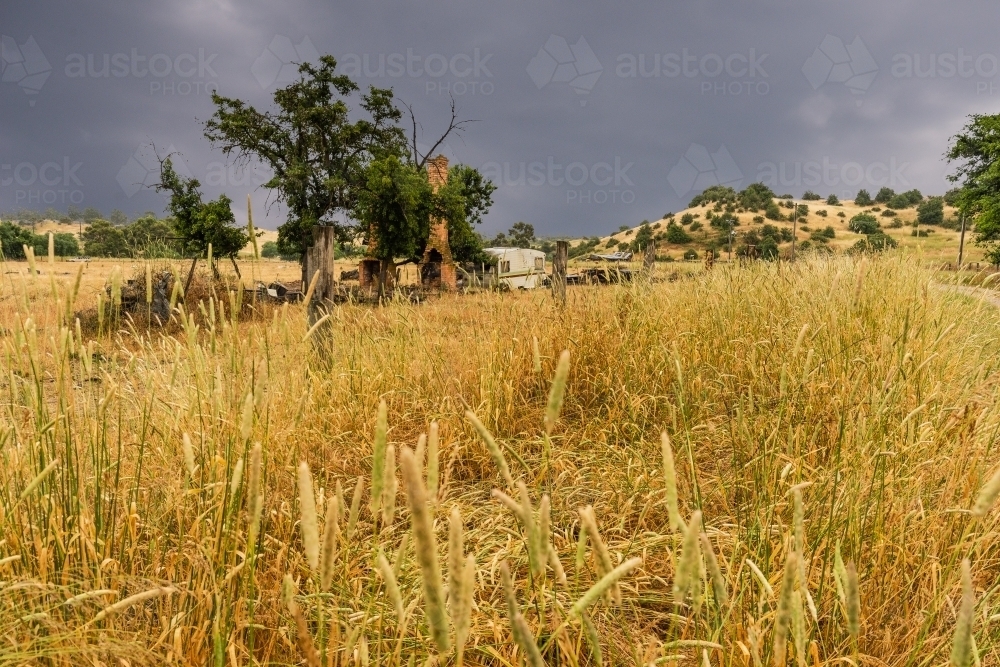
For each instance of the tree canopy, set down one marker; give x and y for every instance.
(976, 151)
(340, 158)
(199, 223)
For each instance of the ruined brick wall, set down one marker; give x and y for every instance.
(437, 268)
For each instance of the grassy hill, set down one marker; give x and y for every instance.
(939, 244)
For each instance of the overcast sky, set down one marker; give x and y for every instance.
(590, 115)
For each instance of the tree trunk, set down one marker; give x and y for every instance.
(386, 271)
(237, 269)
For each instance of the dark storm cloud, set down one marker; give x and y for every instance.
(589, 116)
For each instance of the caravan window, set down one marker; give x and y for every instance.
(539, 263)
(505, 266)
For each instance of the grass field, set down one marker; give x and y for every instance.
(193, 498)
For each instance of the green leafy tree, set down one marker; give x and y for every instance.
(976, 150)
(317, 147)
(863, 198)
(899, 202)
(716, 193)
(151, 237)
(198, 223)
(755, 196)
(118, 218)
(91, 214)
(269, 250)
(877, 242)
(395, 206)
(13, 238)
(476, 195)
(643, 238)
(499, 241)
(74, 213)
(676, 234)
(63, 245)
(864, 223)
(809, 195)
(102, 239)
(884, 195)
(772, 212)
(931, 212)
(832, 201)
(522, 235)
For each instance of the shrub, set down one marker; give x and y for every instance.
(786, 196)
(884, 195)
(771, 212)
(13, 238)
(829, 232)
(269, 250)
(873, 243)
(804, 228)
(951, 197)
(63, 245)
(623, 228)
(863, 198)
(821, 213)
(676, 234)
(914, 196)
(718, 194)
(690, 254)
(612, 243)
(931, 212)
(899, 202)
(896, 223)
(695, 226)
(687, 219)
(863, 223)
(832, 200)
(755, 196)
(809, 195)
(841, 214)
(758, 219)
(889, 213)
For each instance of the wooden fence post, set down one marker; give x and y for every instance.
(319, 259)
(559, 272)
(649, 259)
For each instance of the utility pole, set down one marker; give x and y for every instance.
(961, 243)
(795, 217)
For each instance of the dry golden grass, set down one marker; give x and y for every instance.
(940, 246)
(831, 423)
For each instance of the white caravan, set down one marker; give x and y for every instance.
(519, 268)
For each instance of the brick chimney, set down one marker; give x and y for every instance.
(437, 268)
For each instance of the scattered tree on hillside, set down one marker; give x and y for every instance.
(756, 196)
(863, 198)
(809, 195)
(931, 212)
(884, 195)
(832, 200)
(864, 223)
